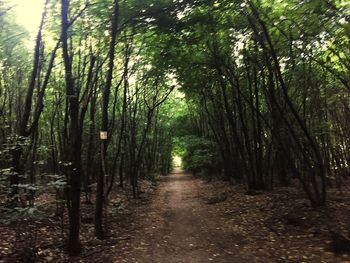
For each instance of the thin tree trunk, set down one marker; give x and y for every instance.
(100, 195)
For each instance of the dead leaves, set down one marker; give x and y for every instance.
(216, 222)
(278, 226)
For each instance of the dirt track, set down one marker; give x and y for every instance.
(174, 223)
(179, 226)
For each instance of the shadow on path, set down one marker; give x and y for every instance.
(177, 226)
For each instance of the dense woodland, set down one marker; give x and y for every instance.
(253, 92)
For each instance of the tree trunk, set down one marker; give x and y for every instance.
(100, 195)
(73, 153)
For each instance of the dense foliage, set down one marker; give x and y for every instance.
(256, 91)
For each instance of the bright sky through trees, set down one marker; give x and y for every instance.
(28, 13)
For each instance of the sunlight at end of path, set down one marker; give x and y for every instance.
(177, 161)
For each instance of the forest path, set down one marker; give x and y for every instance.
(178, 226)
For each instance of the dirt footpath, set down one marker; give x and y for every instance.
(179, 226)
(187, 220)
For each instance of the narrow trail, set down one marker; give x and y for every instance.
(178, 226)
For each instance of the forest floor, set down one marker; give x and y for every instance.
(191, 221)
(185, 219)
